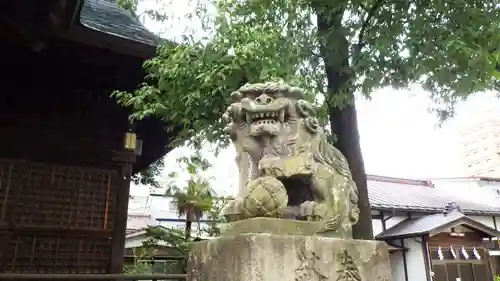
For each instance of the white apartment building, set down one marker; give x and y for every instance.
(479, 135)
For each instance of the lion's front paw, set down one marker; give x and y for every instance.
(312, 211)
(233, 210)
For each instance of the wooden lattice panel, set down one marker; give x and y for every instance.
(54, 218)
(56, 254)
(35, 194)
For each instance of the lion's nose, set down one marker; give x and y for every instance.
(263, 99)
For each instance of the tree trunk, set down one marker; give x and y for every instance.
(344, 124)
(342, 117)
(189, 221)
(187, 229)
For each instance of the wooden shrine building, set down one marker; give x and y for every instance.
(64, 168)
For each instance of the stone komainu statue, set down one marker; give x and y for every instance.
(287, 168)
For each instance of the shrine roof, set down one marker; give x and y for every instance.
(105, 16)
(434, 224)
(387, 193)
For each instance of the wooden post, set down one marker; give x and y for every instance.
(120, 224)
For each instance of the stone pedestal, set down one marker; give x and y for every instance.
(278, 257)
(275, 226)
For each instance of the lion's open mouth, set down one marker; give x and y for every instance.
(265, 117)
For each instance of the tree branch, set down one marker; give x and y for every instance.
(365, 25)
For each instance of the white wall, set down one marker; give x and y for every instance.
(377, 226)
(397, 266)
(414, 256)
(377, 223)
(415, 260)
(415, 263)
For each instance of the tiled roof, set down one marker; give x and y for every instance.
(105, 16)
(431, 223)
(412, 195)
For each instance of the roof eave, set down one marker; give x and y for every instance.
(463, 220)
(403, 236)
(432, 210)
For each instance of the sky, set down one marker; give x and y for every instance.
(399, 137)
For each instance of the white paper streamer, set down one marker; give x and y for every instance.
(453, 252)
(464, 253)
(476, 253)
(440, 253)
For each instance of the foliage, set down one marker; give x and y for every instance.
(176, 242)
(215, 217)
(148, 176)
(181, 77)
(173, 237)
(195, 200)
(129, 5)
(443, 45)
(142, 262)
(497, 278)
(197, 197)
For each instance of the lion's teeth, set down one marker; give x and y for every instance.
(282, 116)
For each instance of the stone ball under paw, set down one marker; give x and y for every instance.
(266, 197)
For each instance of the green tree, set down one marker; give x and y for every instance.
(178, 246)
(177, 240)
(332, 49)
(142, 262)
(215, 217)
(150, 175)
(197, 197)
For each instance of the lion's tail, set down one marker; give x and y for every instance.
(331, 156)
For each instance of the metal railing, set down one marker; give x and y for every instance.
(90, 276)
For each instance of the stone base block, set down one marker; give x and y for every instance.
(276, 226)
(271, 257)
